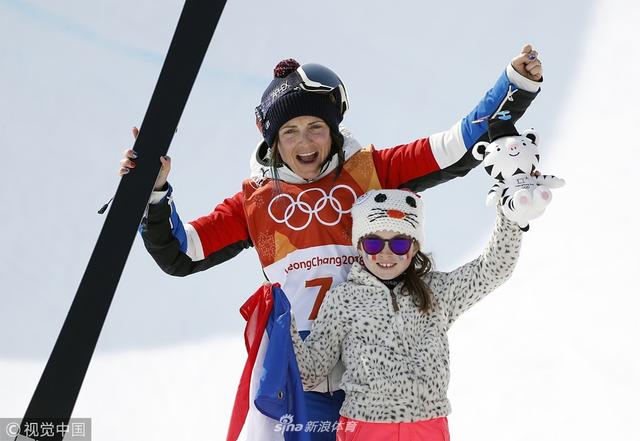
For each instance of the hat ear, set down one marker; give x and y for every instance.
(532, 135)
(479, 150)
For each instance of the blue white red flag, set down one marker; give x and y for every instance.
(269, 403)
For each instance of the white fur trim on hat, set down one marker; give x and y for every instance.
(388, 210)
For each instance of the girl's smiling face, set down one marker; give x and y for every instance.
(387, 265)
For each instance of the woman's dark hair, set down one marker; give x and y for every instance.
(337, 143)
(414, 284)
(337, 147)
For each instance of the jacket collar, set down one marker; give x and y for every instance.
(361, 276)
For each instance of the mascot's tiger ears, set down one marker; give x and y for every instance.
(479, 150)
(509, 152)
(511, 158)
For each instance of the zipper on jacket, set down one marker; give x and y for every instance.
(394, 301)
(509, 97)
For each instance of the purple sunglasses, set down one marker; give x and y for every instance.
(399, 245)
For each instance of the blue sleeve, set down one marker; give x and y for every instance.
(177, 229)
(502, 100)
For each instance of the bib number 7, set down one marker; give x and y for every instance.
(324, 283)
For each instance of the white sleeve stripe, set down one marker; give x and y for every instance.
(448, 146)
(156, 196)
(194, 246)
(520, 81)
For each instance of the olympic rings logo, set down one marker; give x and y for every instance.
(298, 204)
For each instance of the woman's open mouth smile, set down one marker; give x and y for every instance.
(307, 158)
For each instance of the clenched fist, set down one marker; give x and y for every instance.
(527, 63)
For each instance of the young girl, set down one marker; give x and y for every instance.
(389, 321)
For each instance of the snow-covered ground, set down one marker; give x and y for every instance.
(548, 356)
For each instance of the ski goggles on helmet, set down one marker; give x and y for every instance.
(319, 79)
(399, 245)
(313, 78)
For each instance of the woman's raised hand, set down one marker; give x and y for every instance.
(127, 163)
(527, 63)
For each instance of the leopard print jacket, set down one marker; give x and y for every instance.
(396, 357)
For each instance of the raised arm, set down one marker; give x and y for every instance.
(443, 156)
(319, 353)
(183, 249)
(460, 289)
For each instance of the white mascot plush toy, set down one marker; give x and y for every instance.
(512, 158)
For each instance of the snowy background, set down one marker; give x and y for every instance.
(551, 355)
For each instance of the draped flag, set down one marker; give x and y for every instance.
(269, 403)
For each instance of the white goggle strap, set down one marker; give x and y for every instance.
(314, 86)
(310, 85)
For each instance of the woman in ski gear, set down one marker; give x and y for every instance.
(305, 176)
(388, 322)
